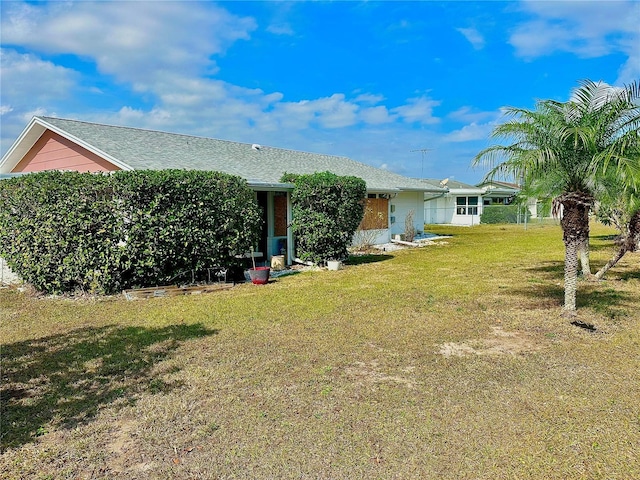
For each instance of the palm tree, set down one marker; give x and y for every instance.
(623, 212)
(567, 150)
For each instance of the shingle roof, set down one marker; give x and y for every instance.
(141, 149)
(450, 183)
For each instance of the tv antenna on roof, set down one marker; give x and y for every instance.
(423, 151)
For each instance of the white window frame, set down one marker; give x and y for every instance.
(467, 208)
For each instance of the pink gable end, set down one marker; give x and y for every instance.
(53, 152)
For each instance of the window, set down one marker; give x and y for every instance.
(466, 205)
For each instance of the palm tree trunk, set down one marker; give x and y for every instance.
(619, 254)
(583, 250)
(570, 276)
(630, 243)
(574, 234)
(583, 245)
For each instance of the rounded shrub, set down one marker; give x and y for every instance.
(327, 210)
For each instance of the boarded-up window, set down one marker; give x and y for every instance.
(376, 214)
(280, 214)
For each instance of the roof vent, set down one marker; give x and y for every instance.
(255, 146)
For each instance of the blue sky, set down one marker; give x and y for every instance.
(412, 87)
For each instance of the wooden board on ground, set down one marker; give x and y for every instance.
(173, 290)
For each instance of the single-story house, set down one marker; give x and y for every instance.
(60, 144)
(504, 193)
(461, 204)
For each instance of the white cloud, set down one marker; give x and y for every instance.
(328, 112)
(418, 110)
(335, 112)
(369, 98)
(474, 37)
(5, 109)
(467, 114)
(376, 115)
(587, 29)
(134, 41)
(471, 132)
(630, 70)
(28, 77)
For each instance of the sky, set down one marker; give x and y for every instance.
(412, 87)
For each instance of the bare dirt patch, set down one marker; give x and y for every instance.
(500, 342)
(372, 372)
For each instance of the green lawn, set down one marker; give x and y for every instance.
(448, 362)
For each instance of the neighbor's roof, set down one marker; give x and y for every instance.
(139, 149)
(495, 184)
(452, 184)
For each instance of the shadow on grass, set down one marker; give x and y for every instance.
(605, 237)
(367, 258)
(628, 275)
(552, 270)
(64, 380)
(608, 302)
(543, 295)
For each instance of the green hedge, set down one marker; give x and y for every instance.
(503, 214)
(68, 231)
(327, 210)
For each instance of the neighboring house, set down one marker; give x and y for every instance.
(461, 204)
(504, 193)
(498, 193)
(57, 144)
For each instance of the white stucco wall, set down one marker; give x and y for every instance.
(373, 237)
(439, 210)
(402, 204)
(7, 277)
(442, 210)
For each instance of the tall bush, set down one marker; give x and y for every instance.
(176, 221)
(327, 210)
(70, 231)
(504, 214)
(59, 231)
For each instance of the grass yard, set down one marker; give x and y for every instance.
(447, 362)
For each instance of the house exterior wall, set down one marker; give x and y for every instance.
(443, 210)
(439, 210)
(370, 237)
(462, 215)
(400, 206)
(54, 152)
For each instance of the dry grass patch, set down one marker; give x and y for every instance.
(337, 374)
(499, 342)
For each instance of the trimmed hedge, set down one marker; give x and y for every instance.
(68, 231)
(503, 214)
(327, 210)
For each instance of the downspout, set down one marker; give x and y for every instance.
(436, 197)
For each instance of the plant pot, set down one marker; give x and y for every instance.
(259, 275)
(334, 264)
